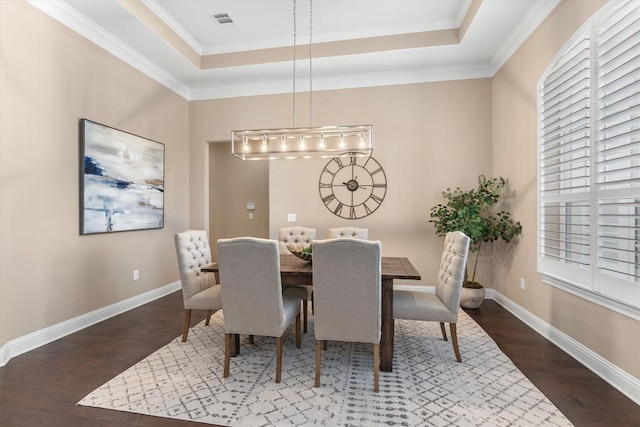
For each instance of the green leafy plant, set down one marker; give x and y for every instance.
(472, 213)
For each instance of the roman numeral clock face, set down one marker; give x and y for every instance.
(352, 187)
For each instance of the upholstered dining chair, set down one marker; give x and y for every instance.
(347, 282)
(295, 237)
(349, 232)
(298, 237)
(252, 299)
(443, 305)
(199, 289)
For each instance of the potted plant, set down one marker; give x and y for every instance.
(472, 212)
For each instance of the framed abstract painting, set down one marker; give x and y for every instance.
(121, 180)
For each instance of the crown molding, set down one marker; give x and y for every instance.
(62, 12)
(155, 7)
(526, 27)
(66, 15)
(346, 82)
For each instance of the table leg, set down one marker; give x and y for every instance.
(387, 338)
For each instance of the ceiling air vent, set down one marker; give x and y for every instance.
(223, 19)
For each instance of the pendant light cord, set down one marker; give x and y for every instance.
(294, 64)
(310, 63)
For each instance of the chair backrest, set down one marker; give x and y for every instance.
(295, 236)
(347, 283)
(452, 267)
(251, 287)
(194, 252)
(349, 232)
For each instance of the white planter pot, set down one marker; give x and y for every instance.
(471, 297)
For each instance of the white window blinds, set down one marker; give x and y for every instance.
(589, 159)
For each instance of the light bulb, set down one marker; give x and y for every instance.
(302, 145)
(342, 144)
(362, 145)
(283, 143)
(322, 146)
(264, 143)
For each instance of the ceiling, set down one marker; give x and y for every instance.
(356, 43)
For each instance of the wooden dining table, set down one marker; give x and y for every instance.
(295, 271)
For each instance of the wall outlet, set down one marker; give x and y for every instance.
(522, 283)
(250, 215)
(136, 274)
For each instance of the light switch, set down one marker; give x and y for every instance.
(250, 215)
(291, 217)
(251, 206)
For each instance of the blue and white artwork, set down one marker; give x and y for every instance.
(122, 180)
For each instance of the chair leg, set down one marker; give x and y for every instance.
(324, 345)
(318, 361)
(454, 339)
(376, 367)
(187, 323)
(228, 343)
(444, 332)
(209, 313)
(305, 305)
(298, 335)
(235, 345)
(278, 359)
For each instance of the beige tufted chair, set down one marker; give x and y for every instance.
(347, 281)
(349, 232)
(252, 300)
(298, 237)
(199, 290)
(295, 236)
(442, 306)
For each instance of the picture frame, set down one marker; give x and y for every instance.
(121, 180)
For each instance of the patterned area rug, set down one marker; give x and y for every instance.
(426, 388)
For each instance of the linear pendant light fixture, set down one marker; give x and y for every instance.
(303, 142)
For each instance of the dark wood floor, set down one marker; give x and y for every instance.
(42, 387)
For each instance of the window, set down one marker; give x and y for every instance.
(589, 162)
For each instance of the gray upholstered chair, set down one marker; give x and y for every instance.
(349, 232)
(199, 290)
(252, 298)
(347, 282)
(297, 237)
(442, 306)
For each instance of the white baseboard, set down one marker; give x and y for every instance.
(44, 336)
(618, 378)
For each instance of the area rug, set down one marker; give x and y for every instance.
(426, 388)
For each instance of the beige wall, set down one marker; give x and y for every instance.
(232, 184)
(613, 336)
(427, 137)
(49, 78)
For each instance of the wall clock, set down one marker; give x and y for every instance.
(352, 187)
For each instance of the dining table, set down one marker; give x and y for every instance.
(295, 271)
